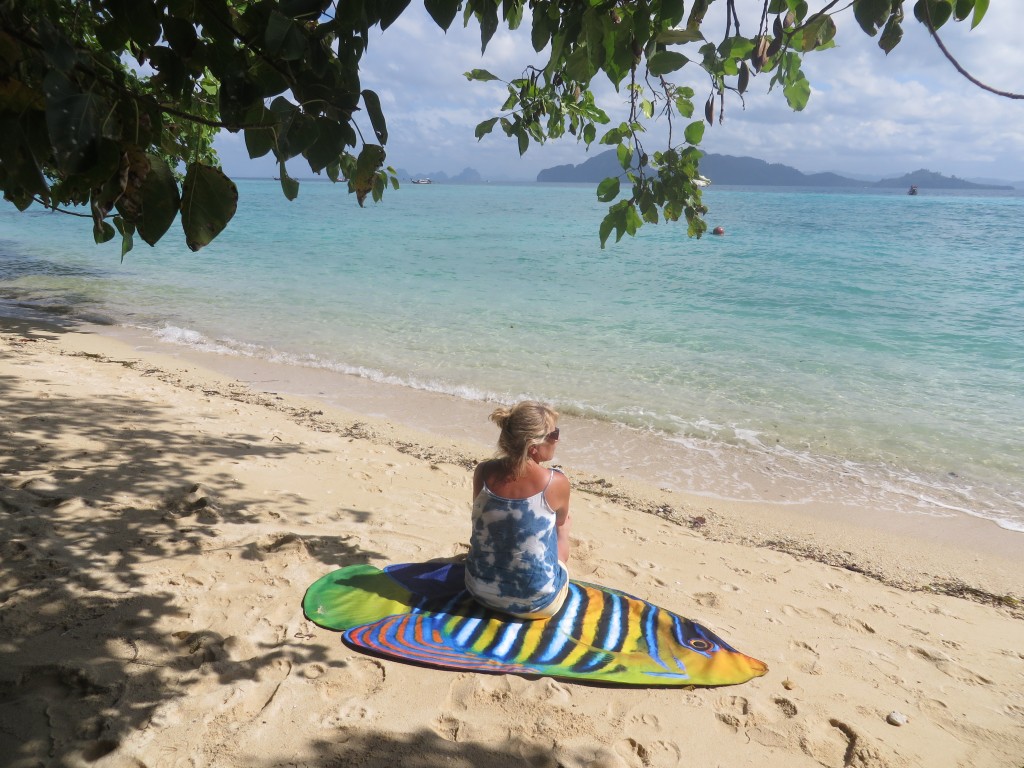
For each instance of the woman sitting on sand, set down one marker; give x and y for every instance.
(520, 539)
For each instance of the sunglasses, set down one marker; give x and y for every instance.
(553, 435)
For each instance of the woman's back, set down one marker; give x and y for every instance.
(520, 524)
(513, 552)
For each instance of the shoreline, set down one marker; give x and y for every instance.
(161, 521)
(778, 513)
(908, 551)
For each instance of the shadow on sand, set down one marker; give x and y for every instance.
(93, 492)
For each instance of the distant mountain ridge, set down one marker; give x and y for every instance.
(749, 171)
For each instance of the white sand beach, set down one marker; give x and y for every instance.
(160, 522)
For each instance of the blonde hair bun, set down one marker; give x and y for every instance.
(500, 416)
(524, 425)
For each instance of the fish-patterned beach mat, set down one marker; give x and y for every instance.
(421, 613)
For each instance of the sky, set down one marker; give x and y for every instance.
(869, 114)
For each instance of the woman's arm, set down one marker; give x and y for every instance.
(558, 499)
(478, 480)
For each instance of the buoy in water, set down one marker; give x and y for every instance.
(718, 231)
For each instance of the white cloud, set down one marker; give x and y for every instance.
(868, 112)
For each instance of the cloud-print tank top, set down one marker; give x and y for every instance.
(513, 552)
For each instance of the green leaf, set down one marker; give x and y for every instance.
(608, 189)
(893, 32)
(511, 101)
(663, 62)
(524, 140)
(156, 202)
(127, 230)
(594, 32)
(304, 9)
(258, 141)
(487, 15)
(633, 220)
(937, 11)
(589, 133)
(679, 36)
(540, 34)
(442, 11)
(818, 31)
(208, 203)
(74, 121)
(607, 224)
(612, 136)
(647, 107)
(372, 102)
(980, 8)
(797, 92)
(672, 12)
(963, 9)
(481, 75)
(285, 38)
(289, 186)
(694, 132)
(102, 232)
(329, 144)
(578, 66)
(684, 106)
(625, 155)
(389, 11)
(870, 14)
(370, 160)
(485, 127)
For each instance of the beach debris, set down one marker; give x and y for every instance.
(788, 684)
(897, 718)
(698, 521)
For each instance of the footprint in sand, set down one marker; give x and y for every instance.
(632, 748)
(732, 711)
(846, 622)
(313, 671)
(290, 544)
(707, 599)
(196, 500)
(449, 728)
(62, 706)
(947, 666)
(787, 707)
(800, 645)
(348, 713)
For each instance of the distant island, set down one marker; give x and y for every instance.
(749, 171)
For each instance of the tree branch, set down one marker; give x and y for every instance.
(959, 67)
(54, 208)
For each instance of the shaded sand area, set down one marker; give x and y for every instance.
(159, 524)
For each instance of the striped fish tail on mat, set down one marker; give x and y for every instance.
(599, 634)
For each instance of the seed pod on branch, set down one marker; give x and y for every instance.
(760, 53)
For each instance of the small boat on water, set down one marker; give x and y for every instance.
(701, 181)
(422, 181)
(912, 190)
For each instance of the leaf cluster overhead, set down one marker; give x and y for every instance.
(114, 104)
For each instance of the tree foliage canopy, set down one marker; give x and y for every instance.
(114, 104)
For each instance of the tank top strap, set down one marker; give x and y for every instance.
(551, 476)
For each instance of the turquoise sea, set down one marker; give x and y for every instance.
(858, 346)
